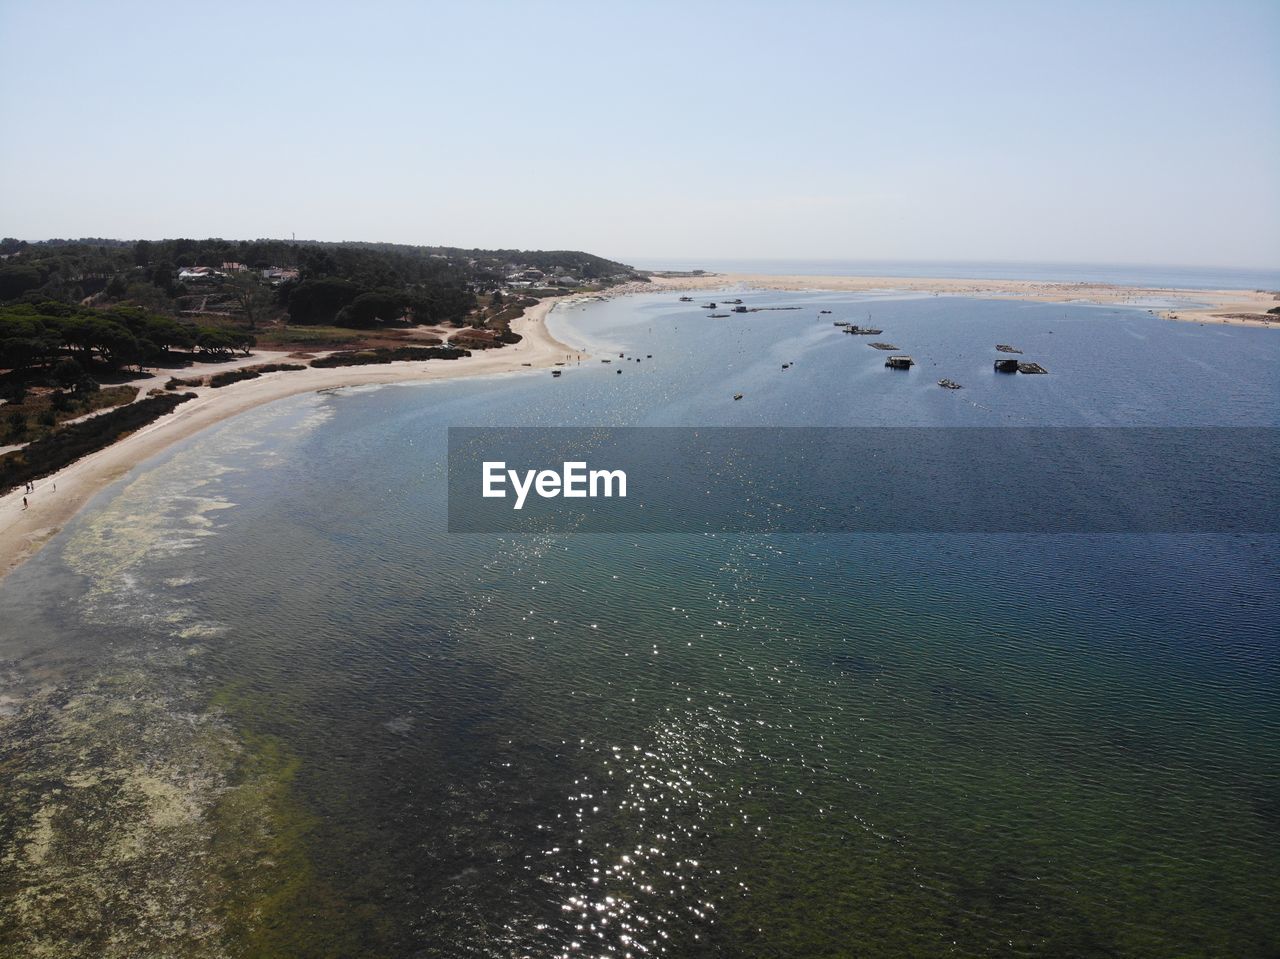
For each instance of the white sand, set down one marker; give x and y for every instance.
(24, 532)
(1230, 307)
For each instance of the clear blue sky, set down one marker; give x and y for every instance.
(1124, 132)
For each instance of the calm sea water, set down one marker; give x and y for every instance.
(1168, 277)
(258, 701)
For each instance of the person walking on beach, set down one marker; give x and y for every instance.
(24, 502)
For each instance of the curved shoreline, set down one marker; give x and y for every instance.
(24, 532)
(1226, 307)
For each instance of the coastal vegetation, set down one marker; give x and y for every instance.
(57, 449)
(37, 413)
(79, 319)
(227, 377)
(359, 285)
(368, 357)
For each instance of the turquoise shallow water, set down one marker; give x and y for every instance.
(384, 739)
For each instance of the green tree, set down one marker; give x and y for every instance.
(251, 297)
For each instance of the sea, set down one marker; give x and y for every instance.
(256, 699)
(1132, 274)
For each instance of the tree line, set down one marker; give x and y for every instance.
(348, 284)
(71, 340)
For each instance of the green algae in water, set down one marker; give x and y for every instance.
(105, 830)
(275, 902)
(425, 746)
(136, 822)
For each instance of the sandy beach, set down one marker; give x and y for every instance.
(57, 498)
(24, 532)
(1229, 307)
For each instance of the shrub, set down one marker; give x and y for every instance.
(227, 377)
(51, 453)
(369, 357)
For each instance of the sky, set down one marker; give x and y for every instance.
(1112, 132)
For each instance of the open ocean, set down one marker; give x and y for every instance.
(255, 700)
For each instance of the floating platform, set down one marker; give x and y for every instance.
(857, 330)
(882, 346)
(900, 362)
(1031, 368)
(1006, 348)
(717, 316)
(1006, 366)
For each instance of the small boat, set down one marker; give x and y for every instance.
(606, 361)
(731, 301)
(949, 384)
(899, 362)
(526, 364)
(708, 306)
(686, 299)
(786, 365)
(619, 372)
(1006, 348)
(739, 309)
(737, 396)
(844, 323)
(717, 316)
(648, 356)
(555, 372)
(824, 311)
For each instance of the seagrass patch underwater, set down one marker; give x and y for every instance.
(290, 713)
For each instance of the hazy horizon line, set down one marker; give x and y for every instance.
(628, 259)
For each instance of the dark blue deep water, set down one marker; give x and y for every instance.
(258, 687)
